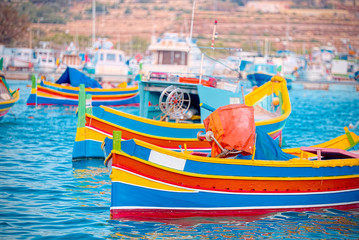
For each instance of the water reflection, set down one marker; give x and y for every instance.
(326, 224)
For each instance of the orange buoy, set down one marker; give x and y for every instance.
(275, 101)
(254, 88)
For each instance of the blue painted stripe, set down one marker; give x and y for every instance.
(7, 105)
(265, 171)
(31, 99)
(126, 195)
(240, 170)
(87, 149)
(145, 128)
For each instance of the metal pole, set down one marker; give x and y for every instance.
(93, 22)
(190, 36)
(214, 33)
(201, 69)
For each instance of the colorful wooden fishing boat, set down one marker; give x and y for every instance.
(48, 93)
(271, 103)
(7, 97)
(152, 182)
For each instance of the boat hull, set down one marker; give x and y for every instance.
(147, 179)
(133, 201)
(7, 102)
(175, 136)
(55, 94)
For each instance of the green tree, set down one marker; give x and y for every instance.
(13, 26)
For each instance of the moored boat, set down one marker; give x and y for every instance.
(66, 89)
(152, 182)
(271, 103)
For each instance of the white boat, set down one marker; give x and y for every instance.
(45, 60)
(22, 59)
(175, 54)
(108, 65)
(70, 60)
(70, 57)
(7, 54)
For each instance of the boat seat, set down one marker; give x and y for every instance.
(330, 153)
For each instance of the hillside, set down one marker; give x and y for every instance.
(294, 29)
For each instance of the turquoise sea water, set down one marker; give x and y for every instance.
(45, 195)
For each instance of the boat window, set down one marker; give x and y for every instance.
(111, 57)
(101, 56)
(120, 57)
(26, 54)
(172, 57)
(18, 54)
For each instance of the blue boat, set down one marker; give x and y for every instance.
(261, 73)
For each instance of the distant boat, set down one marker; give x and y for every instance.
(45, 61)
(65, 91)
(314, 72)
(21, 60)
(174, 54)
(261, 73)
(71, 60)
(7, 97)
(108, 65)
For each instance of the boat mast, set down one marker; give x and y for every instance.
(93, 22)
(190, 36)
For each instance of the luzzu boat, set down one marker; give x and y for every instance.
(271, 103)
(7, 97)
(152, 182)
(48, 93)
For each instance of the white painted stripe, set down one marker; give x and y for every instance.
(240, 208)
(99, 131)
(166, 160)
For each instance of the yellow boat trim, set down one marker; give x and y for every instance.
(276, 85)
(85, 133)
(302, 163)
(134, 179)
(340, 142)
(15, 98)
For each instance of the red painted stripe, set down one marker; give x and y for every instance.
(165, 143)
(165, 214)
